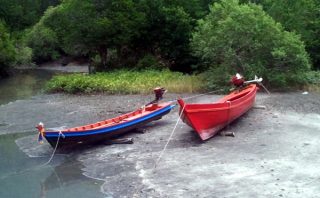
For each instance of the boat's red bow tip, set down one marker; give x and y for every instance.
(181, 102)
(40, 126)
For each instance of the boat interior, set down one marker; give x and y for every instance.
(238, 94)
(119, 119)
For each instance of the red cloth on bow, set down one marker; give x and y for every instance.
(237, 80)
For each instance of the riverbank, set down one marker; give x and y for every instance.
(127, 82)
(23, 84)
(275, 151)
(72, 67)
(58, 67)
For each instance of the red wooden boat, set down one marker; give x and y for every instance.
(208, 119)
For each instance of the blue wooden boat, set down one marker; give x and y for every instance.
(106, 129)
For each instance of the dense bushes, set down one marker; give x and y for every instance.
(7, 50)
(133, 29)
(43, 40)
(302, 17)
(183, 36)
(167, 33)
(24, 56)
(19, 15)
(123, 81)
(243, 38)
(149, 62)
(311, 77)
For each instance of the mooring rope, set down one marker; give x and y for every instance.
(264, 88)
(177, 122)
(54, 151)
(36, 167)
(187, 98)
(169, 139)
(174, 129)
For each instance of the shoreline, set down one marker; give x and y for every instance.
(70, 68)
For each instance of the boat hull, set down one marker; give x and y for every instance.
(208, 119)
(69, 138)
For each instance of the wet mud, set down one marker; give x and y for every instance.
(274, 153)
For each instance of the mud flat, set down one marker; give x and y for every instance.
(275, 152)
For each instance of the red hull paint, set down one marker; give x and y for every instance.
(208, 119)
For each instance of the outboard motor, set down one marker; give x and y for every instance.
(158, 93)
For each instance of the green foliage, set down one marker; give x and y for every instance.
(126, 82)
(300, 16)
(175, 34)
(219, 78)
(312, 81)
(7, 50)
(92, 27)
(167, 32)
(156, 34)
(312, 77)
(43, 40)
(244, 39)
(24, 55)
(149, 62)
(197, 9)
(19, 15)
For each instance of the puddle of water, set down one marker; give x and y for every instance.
(23, 84)
(21, 171)
(22, 176)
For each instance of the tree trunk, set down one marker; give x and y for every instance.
(3, 73)
(103, 53)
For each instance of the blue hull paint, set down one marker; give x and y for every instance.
(98, 135)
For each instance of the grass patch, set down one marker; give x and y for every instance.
(312, 79)
(126, 82)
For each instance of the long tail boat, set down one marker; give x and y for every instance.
(208, 119)
(106, 129)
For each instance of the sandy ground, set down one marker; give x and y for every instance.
(275, 152)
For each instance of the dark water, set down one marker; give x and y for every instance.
(23, 84)
(24, 176)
